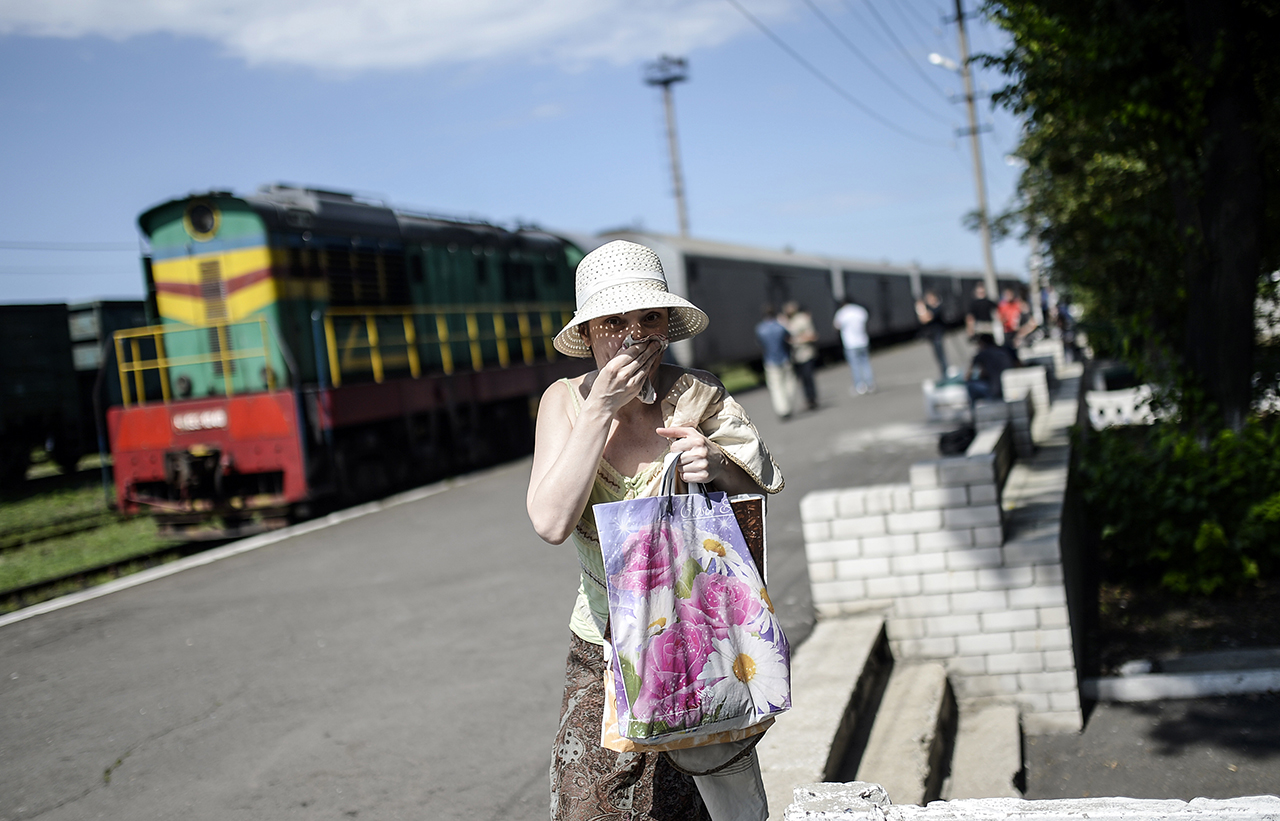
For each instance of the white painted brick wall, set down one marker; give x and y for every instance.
(952, 581)
(931, 554)
(858, 526)
(863, 801)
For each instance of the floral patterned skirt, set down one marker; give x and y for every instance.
(591, 783)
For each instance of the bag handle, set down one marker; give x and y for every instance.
(670, 470)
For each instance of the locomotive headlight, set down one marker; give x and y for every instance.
(201, 220)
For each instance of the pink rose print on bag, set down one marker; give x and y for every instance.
(672, 664)
(719, 602)
(649, 553)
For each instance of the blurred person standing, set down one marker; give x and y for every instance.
(804, 349)
(980, 317)
(774, 340)
(929, 312)
(851, 321)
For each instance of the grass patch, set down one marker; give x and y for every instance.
(40, 510)
(53, 558)
(737, 378)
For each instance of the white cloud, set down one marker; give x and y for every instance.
(392, 34)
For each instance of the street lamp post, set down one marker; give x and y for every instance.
(665, 72)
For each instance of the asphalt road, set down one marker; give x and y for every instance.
(404, 665)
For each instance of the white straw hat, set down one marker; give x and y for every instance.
(623, 276)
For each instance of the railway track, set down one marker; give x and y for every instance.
(17, 598)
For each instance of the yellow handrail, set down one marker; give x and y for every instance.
(375, 339)
(132, 359)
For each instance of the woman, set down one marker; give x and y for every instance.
(598, 441)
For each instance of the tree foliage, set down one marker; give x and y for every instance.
(1153, 148)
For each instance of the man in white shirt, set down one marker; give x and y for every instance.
(851, 321)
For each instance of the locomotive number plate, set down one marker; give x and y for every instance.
(200, 420)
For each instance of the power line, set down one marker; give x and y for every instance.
(870, 64)
(67, 246)
(920, 17)
(906, 53)
(832, 84)
(897, 4)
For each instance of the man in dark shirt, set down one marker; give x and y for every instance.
(989, 362)
(979, 319)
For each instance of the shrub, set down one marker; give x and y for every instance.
(1200, 515)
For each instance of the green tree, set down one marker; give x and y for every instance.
(1153, 150)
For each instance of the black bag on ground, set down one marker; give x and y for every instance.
(956, 442)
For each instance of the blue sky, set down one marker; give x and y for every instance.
(501, 109)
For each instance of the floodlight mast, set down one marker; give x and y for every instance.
(665, 72)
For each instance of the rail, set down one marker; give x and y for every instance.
(143, 350)
(418, 339)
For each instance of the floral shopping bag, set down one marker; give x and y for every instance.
(696, 649)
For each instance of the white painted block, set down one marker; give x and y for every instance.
(831, 551)
(1033, 551)
(932, 648)
(1058, 638)
(975, 558)
(899, 544)
(1060, 682)
(862, 568)
(1008, 621)
(1064, 700)
(1037, 597)
(893, 587)
(1049, 722)
(983, 516)
(982, 494)
(918, 563)
(924, 475)
(879, 499)
(901, 629)
(858, 526)
(967, 470)
(822, 571)
(816, 531)
(902, 502)
(985, 644)
(818, 506)
(922, 605)
(1055, 660)
(979, 686)
(944, 540)
(1005, 578)
(851, 503)
(1035, 703)
(967, 666)
(939, 497)
(988, 536)
(953, 625)
(979, 601)
(1054, 616)
(1047, 574)
(917, 522)
(952, 581)
(838, 591)
(1001, 663)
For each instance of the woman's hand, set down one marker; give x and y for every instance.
(699, 458)
(621, 378)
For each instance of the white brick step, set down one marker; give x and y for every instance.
(987, 761)
(837, 677)
(909, 749)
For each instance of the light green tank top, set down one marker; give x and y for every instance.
(591, 611)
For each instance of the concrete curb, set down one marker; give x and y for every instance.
(1158, 686)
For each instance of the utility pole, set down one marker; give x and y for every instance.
(666, 72)
(984, 225)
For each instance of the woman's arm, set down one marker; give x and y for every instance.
(566, 451)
